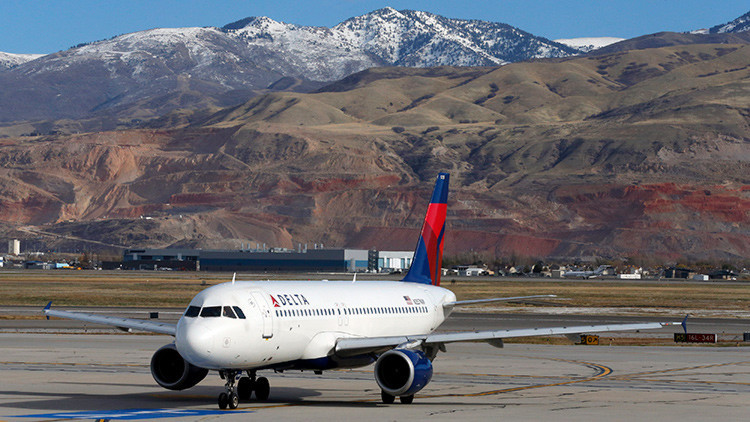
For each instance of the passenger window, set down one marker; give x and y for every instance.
(192, 311)
(211, 311)
(229, 313)
(238, 311)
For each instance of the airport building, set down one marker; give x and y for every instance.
(268, 260)
(394, 260)
(14, 247)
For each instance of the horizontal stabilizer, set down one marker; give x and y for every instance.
(490, 300)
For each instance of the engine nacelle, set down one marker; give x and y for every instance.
(402, 372)
(172, 372)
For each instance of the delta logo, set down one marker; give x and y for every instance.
(288, 300)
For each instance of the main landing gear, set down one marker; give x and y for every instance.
(243, 390)
(389, 399)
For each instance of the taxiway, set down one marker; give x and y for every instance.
(106, 376)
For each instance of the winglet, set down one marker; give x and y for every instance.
(684, 323)
(47, 308)
(234, 276)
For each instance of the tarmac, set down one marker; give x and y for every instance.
(45, 376)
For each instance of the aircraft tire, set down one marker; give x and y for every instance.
(245, 387)
(387, 398)
(234, 401)
(262, 389)
(223, 401)
(406, 399)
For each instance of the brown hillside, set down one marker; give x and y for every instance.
(638, 153)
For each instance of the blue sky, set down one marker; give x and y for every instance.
(37, 26)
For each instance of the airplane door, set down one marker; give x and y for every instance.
(258, 300)
(343, 319)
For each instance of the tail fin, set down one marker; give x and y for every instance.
(428, 256)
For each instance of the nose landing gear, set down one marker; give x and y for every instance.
(243, 390)
(229, 398)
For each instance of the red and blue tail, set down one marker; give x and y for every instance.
(428, 257)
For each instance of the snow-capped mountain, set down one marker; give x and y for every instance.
(137, 75)
(164, 69)
(388, 37)
(740, 24)
(10, 60)
(587, 44)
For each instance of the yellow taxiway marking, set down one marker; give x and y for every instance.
(664, 371)
(637, 376)
(603, 372)
(675, 381)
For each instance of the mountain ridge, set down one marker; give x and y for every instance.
(10, 60)
(740, 24)
(212, 67)
(639, 153)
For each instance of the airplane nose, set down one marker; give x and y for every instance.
(194, 342)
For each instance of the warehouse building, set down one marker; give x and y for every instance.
(269, 260)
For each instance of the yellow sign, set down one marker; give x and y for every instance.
(589, 340)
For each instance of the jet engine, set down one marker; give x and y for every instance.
(172, 372)
(402, 372)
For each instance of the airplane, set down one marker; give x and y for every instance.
(586, 274)
(243, 327)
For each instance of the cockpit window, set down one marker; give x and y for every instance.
(228, 312)
(192, 311)
(211, 311)
(239, 312)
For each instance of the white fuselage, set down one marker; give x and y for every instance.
(300, 321)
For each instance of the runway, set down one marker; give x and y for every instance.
(66, 376)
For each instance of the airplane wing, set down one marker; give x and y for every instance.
(358, 345)
(125, 324)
